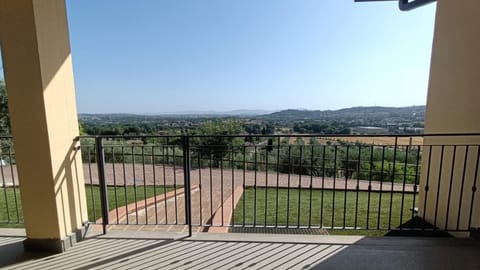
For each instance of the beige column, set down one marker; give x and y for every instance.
(38, 72)
(453, 106)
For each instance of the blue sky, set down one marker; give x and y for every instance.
(152, 56)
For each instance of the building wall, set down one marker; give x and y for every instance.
(453, 107)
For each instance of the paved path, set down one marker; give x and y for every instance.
(227, 178)
(118, 174)
(213, 188)
(8, 175)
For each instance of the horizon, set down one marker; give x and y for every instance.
(239, 111)
(270, 55)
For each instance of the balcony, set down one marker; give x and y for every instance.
(431, 191)
(315, 183)
(151, 250)
(284, 194)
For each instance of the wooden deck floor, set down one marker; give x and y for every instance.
(144, 250)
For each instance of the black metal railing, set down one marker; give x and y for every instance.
(377, 182)
(10, 205)
(382, 182)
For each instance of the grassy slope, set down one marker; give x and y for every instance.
(343, 211)
(116, 198)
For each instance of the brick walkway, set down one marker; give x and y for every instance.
(210, 189)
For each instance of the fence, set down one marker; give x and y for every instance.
(287, 181)
(10, 205)
(342, 182)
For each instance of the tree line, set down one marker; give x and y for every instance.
(306, 156)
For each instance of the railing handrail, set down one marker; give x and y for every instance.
(310, 135)
(355, 172)
(287, 135)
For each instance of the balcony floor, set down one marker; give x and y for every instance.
(152, 250)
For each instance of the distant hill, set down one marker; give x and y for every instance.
(351, 114)
(356, 116)
(182, 114)
(215, 113)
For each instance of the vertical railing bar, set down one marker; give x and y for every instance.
(300, 168)
(266, 184)
(14, 185)
(91, 179)
(166, 163)
(334, 184)
(154, 184)
(381, 188)
(452, 172)
(357, 188)
(175, 182)
(144, 184)
(125, 183)
(7, 207)
(233, 184)
(102, 181)
(467, 147)
(244, 187)
(211, 186)
(323, 185)
(221, 188)
(347, 161)
(393, 182)
(427, 187)
(134, 184)
(164, 160)
(115, 185)
(369, 186)
(403, 186)
(255, 187)
(310, 188)
(415, 186)
(187, 185)
(438, 187)
(200, 185)
(474, 187)
(288, 181)
(278, 178)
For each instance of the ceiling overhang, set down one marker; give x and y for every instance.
(404, 5)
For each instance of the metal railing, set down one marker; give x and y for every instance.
(285, 181)
(347, 182)
(10, 205)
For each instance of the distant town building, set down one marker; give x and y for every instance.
(370, 130)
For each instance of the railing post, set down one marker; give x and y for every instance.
(100, 156)
(187, 186)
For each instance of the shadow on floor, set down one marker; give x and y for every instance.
(11, 250)
(418, 227)
(252, 251)
(405, 253)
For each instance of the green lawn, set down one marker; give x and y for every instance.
(9, 216)
(339, 212)
(117, 197)
(120, 196)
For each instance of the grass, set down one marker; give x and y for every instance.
(340, 209)
(117, 197)
(255, 209)
(9, 215)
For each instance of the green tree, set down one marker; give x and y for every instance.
(81, 129)
(220, 144)
(4, 116)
